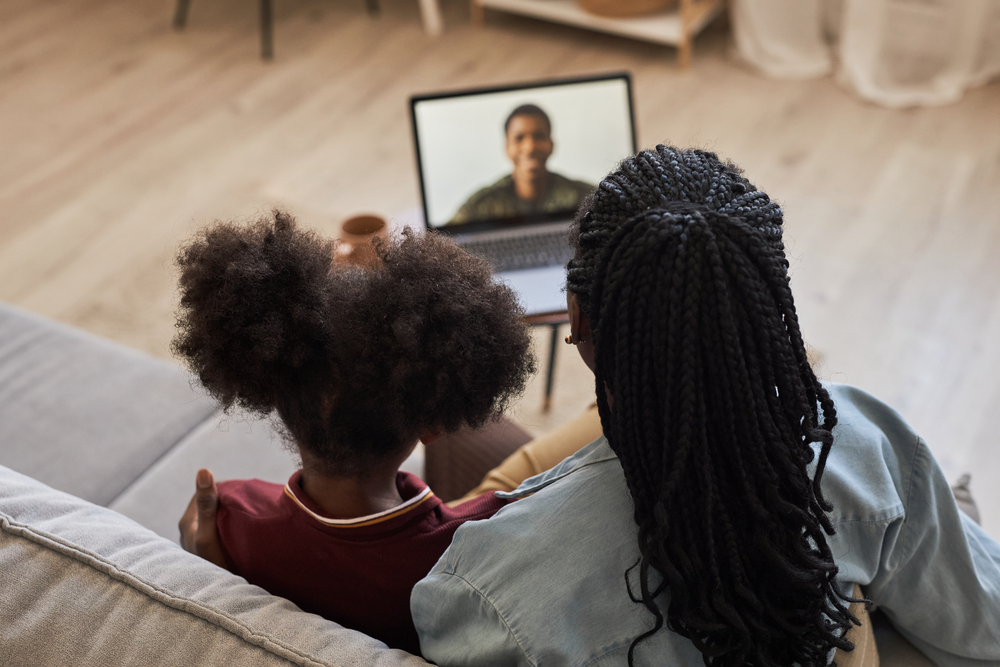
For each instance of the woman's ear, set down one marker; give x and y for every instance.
(579, 326)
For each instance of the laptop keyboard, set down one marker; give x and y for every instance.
(511, 253)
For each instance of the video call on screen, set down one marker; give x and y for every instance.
(468, 160)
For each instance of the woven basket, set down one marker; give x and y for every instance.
(625, 8)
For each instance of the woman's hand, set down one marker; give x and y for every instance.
(199, 534)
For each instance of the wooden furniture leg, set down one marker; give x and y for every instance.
(551, 371)
(430, 13)
(694, 13)
(684, 49)
(180, 14)
(266, 30)
(553, 321)
(476, 14)
(684, 53)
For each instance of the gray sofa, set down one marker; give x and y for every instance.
(98, 449)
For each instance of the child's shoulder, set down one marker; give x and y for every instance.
(254, 497)
(476, 509)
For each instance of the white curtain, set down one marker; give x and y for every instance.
(893, 52)
(782, 38)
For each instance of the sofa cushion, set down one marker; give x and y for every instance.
(84, 414)
(82, 585)
(231, 446)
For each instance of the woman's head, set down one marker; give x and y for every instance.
(681, 272)
(653, 179)
(356, 363)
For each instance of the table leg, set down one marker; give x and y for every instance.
(551, 372)
(476, 14)
(180, 16)
(687, 30)
(430, 12)
(266, 30)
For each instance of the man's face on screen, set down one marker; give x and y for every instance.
(529, 145)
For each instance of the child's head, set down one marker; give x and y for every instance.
(357, 363)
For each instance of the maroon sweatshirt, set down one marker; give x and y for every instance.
(356, 572)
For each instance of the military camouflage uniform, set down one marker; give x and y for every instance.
(501, 201)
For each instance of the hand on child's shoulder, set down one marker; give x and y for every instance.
(199, 534)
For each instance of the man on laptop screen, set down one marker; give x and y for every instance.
(530, 188)
(512, 200)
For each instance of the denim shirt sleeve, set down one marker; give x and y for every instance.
(457, 619)
(940, 583)
(489, 600)
(900, 534)
(459, 626)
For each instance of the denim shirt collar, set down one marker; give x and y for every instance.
(596, 452)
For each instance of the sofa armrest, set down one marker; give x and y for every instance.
(82, 585)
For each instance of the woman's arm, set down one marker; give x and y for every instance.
(939, 579)
(459, 626)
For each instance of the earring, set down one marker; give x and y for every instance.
(569, 339)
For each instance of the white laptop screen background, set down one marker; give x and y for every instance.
(462, 139)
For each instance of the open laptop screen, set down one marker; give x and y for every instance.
(492, 158)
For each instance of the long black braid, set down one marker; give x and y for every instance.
(681, 271)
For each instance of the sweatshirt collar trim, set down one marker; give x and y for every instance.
(368, 520)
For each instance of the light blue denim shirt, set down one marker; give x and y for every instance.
(542, 582)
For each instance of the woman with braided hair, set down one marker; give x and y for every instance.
(734, 501)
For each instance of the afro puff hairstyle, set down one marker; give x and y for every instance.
(356, 363)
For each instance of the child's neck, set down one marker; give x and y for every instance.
(351, 497)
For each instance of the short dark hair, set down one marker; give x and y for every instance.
(528, 110)
(355, 362)
(681, 270)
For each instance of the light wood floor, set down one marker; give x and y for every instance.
(119, 136)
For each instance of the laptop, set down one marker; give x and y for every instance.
(503, 170)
